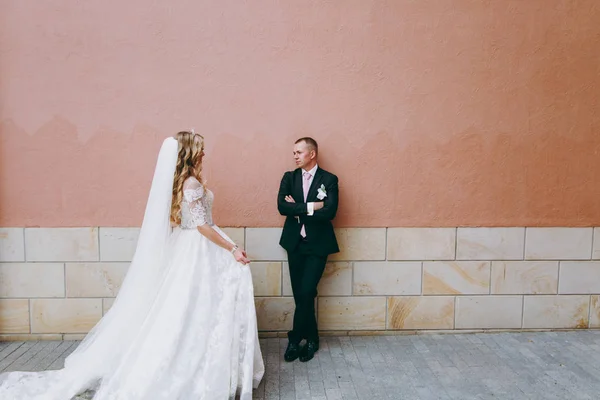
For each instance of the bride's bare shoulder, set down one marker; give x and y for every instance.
(191, 183)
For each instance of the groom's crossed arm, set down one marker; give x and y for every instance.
(330, 203)
(284, 207)
(329, 206)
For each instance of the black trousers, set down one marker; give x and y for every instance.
(306, 270)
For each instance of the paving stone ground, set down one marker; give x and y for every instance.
(537, 365)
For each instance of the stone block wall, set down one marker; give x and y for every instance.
(55, 283)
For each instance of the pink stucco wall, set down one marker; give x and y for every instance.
(432, 113)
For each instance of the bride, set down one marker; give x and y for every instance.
(183, 326)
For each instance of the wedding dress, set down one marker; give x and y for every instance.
(183, 326)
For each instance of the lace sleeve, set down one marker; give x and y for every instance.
(193, 193)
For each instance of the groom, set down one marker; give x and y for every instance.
(308, 197)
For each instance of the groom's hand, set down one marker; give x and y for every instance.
(289, 199)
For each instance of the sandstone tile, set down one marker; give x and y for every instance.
(336, 280)
(490, 243)
(95, 279)
(118, 244)
(359, 244)
(107, 304)
(558, 243)
(64, 315)
(262, 244)
(286, 289)
(266, 277)
(387, 278)
(274, 313)
(556, 312)
(32, 280)
(579, 277)
(596, 245)
(14, 316)
(456, 277)
(420, 312)
(595, 311)
(351, 313)
(524, 277)
(61, 244)
(12, 244)
(421, 243)
(488, 312)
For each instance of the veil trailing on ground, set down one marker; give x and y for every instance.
(101, 350)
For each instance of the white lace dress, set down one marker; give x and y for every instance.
(198, 341)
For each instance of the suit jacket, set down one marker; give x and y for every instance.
(319, 230)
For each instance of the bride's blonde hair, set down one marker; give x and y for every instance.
(189, 163)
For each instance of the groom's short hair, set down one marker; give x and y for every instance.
(310, 142)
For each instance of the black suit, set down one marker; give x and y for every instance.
(307, 257)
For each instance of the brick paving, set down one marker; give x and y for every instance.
(536, 365)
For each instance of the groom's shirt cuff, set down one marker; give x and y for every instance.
(310, 208)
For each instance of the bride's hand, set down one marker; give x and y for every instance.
(240, 256)
(289, 199)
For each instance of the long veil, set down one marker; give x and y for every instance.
(99, 353)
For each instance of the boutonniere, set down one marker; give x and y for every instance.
(321, 192)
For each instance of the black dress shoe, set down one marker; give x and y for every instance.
(292, 352)
(309, 350)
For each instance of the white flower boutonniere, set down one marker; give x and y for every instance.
(321, 192)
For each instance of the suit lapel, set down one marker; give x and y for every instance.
(316, 183)
(298, 194)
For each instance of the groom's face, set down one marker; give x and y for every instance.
(303, 155)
